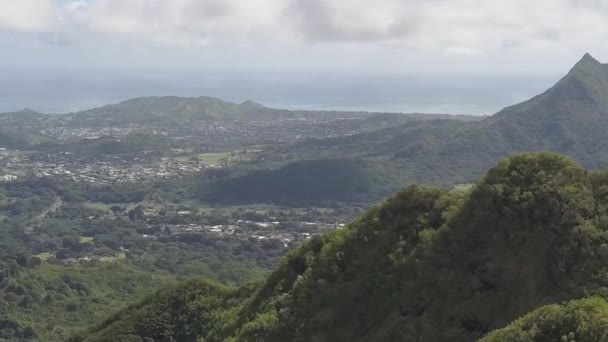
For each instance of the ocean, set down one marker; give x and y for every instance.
(61, 91)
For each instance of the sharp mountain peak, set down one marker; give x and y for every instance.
(587, 58)
(587, 63)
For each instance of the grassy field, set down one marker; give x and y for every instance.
(463, 187)
(213, 158)
(44, 256)
(84, 239)
(219, 157)
(120, 256)
(98, 206)
(128, 206)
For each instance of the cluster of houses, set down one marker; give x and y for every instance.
(299, 231)
(222, 132)
(98, 169)
(75, 134)
(8, 178)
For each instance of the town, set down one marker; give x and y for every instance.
(97, 169)
(98, 159)
(213, 133)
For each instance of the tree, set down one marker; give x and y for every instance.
(116, 209)
(69, 241)
(137, 213)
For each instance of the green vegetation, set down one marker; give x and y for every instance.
(425, 265)
(520, 255)
(570, 118)
(214, 158)
(19, 139)
(44, 256)
(411, 136)
(45, 302)
(13, 133)
(180, 109)
(173, 109)
(310, 182)
(582, 320)
(183, 312)
(63, 270)
(227, 157)
(106, 145)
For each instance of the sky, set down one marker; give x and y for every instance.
(429, 35)
(466, 38)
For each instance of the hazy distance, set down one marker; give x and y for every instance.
(60, 91)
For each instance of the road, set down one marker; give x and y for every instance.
(56, 205)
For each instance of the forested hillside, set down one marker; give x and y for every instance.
(577, 320)
(310, 182)
(21, 139)
(68, 260)
(173, 108)
(45, 302)
(570, 118)
(425, 265)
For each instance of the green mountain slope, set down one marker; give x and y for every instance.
(426, 265)
(310, 182)
(413, 136)
(176, 109)
(582, 320)
(24, 116)
(108, 145)
(181, 110)
(357, 168)
(570, 118)
(47, 302)
(181, 312)
(20, 139)
(17, 132)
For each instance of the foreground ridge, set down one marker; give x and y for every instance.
(427, 264)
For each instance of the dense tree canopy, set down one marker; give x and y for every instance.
(433, 265)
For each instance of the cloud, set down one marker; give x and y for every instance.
(28, 15)
(462, 27)
(353, 20)
(181, 21)
(55, 39)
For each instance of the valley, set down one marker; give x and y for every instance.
(187, 219)
(303, 171)
(94, 216)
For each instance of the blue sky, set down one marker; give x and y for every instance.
(425, 36)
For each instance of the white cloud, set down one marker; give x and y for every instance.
(352, 20)
(182, 21)
(459, 26)
(315, 31)
(27, 15)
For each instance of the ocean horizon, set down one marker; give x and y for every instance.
(63, 92)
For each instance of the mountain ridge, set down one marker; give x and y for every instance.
(175, 107)
(430, 264)
(570, 118)
(425, 265)
(151, 108)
